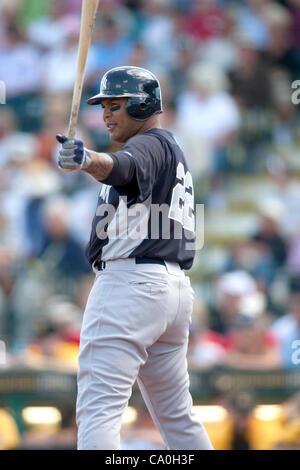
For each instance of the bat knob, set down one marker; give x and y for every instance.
(61, 138)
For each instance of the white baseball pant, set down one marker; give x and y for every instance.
(136, 326)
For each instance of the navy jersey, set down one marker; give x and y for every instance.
(153, 214)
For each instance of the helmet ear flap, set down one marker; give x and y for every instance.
(139, 109)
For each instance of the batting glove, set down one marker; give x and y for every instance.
(73, 155)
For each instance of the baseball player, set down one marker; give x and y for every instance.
(136, 322)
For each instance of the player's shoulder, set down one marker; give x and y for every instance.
(156, 145)
(153, 137)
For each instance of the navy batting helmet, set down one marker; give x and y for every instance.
(140, 86)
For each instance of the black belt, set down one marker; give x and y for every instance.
(100, 265)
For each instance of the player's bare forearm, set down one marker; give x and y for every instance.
(100, 165)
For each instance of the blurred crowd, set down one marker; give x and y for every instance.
(226, 68)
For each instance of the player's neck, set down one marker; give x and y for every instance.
(151, 123)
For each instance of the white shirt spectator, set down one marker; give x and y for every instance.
(20, 69)
(46, 33)
(221, 51)
(211, 117)
(17, 147)
(59, 69)
(157, 37)
(253, 26)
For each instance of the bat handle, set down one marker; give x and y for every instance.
(72, 127)
(73, 122)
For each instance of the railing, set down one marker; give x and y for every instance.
(204, 385)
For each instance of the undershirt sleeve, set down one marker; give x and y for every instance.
(122, 172)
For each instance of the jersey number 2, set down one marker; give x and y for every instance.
(182, 203)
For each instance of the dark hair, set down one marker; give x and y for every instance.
(15, 31)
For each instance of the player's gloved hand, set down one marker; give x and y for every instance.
(73, 155)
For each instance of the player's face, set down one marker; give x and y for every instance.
(119, 124)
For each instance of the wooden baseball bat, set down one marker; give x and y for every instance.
(88, 14)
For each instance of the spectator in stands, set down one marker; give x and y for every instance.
(7, 283)
(59, 250)
(250, 344)
(207, 348)
(158, 28)
(251, 87)
(82, 205)
(10, 14)
(49, 271)
(251, 22)
(250, 79)
(55, 117)
(281, 51)
(268, 237)
(139, 56)
(254, 258)
(265, 251)
(47, 31)
(194, 149)
(286, 329)
(73, 6)
(8, 131)
(230, 288)
(285, 118)
(35, 180)
(21, 150)
(186, 58)
(294, 6)
(59, 64)
(205, 98)
(20, 71)
(205, 20)
(221, 49)
(287, 192)
(57, 334)
(293, 257)
(111, 47)
(127, 19)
